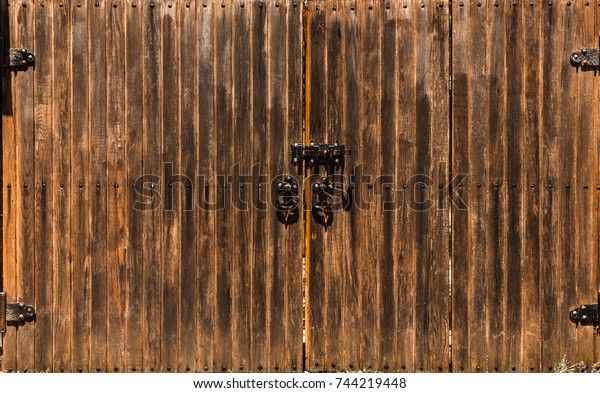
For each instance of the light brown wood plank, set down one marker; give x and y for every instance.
(23, 85)
(206, 188)
(152, 184)
(188, 80)
(117, 189)
(61, 151)
(80, 217)
(134, 344)
(44, 204)
(173, 187)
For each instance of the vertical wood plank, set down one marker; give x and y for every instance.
(241, 188)
(134, 132)
(259, 345)
(532, 261)
(9, 175)
(173, 188)
(225, 223)
(189, 157)
(24, 115)
(80, 217)
(97, 181)
(153, 187)
(206, 187)
(61, 151)
(44, 204)
(116, 192)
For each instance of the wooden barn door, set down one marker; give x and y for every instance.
(525, 130)
(138, 158)
(378, 262)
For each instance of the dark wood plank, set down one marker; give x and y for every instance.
(496, 186)
(97, 181)
(152, 171)
(549, 217)
(349, 222)
(532, 261)
(464, 20)
(23, 85)
(9, 176)
(189, 157)
(315, 123)
(405, 169)
(134, 343)
(224, 154)
(173, 187)
(241, 188)
(331, 236)
(389, 350)
(80, 217)
(61, 151)
(44, 203)
(515, 186)
(117, 191)
(206, 187)
(293, 244)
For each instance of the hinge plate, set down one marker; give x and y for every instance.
(17, 58)
(16, 313)
(586, 314)
(331, 156)
(586, 59)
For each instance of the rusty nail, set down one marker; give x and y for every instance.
(550, 185)
(295, 4)
(351, 365)
(78, 4)
(42, 5)
(550, 3)
(514, 3)
(597, 187)
(387, 6)
(440, 368)
(10, 370)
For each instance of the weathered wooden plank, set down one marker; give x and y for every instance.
(405, 169)
(224, 154)
(24, 114)
(44, 206)
(330, 235)
(464, 22)
(80, 217)
(174, 188)
(188, 80)
(241, 188)
(9, 176)
(116, 209)
(206, 187)
(586, 166)
(549, 217)
(437, 86)
(531, 262)
(388, 351)
(349, 222)
(153, 187)
(61, 151)
(496, 186)
(134, 322)
(515, 186)
(294, 326)
(315, 123)
(97, 181)
(259, 345)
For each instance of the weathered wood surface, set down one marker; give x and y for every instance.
(525, 132)
(378, 288)
(175, 270)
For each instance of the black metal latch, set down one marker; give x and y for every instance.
(587, 59)
(331, 156)
(14, 313)
(17, 58)
(586, 314)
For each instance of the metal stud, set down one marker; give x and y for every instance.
(97, 369)
(370, 6)
(44, 185)
(532, 185)
(116, 185)
(114, 5)
(222, 5)
(478, 4)
(187, 368)
(422, 5)
(514, 185)
(25, 185)
(170, 5)
(133, 369)
(8, 186)
(223, 368)
(585, 186)
(187, 5)
(513, 368)
(316, 364)
(294, 367)
(151, 5)
(79, 369)
(568, 186)
(461, 4)
(241, 5)
(97, 4)
(276, 5)
(241, 367)
(133, 5)
(168, 368)
(204, 5)
(387, 6)
(116, 368)
(260, 367)
(568, 3)
(276, 368)
(24, 5)
(205, 368)
(334, 8)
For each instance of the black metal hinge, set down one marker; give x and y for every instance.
(586, 59)
(586, 314)
(13, 313)
(15, 58)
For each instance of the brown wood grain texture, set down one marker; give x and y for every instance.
(367, 264)
(531, 210)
